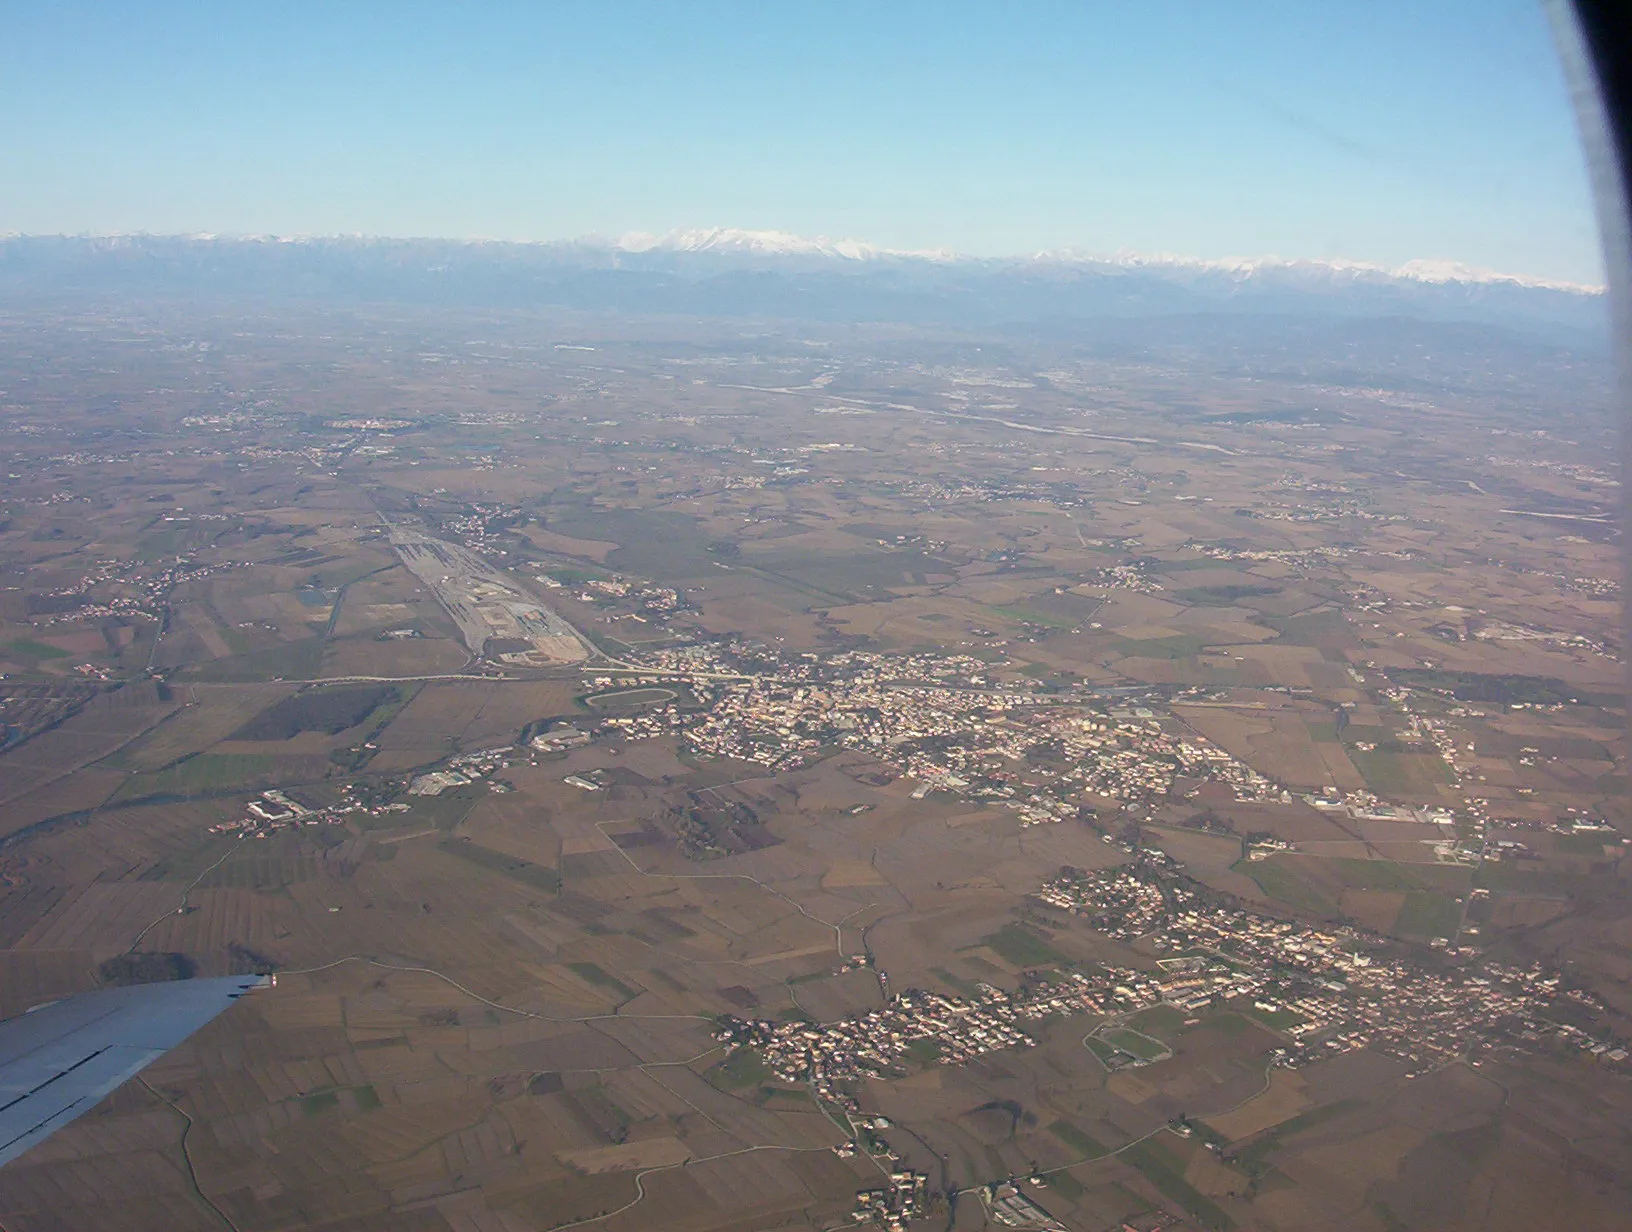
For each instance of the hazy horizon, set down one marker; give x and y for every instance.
(1438, 132)
(769, 241)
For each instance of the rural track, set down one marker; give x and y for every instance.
(640, 1187)
(838, 929)
(1269, 1081)
(186, 1155)
(340, 599)
(185, 894)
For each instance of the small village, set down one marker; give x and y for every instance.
(1325, 990)
(1328, 989)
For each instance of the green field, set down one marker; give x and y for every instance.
(1067, 1184)
(1031, 616)
(859, 575)
(538, 876)
(968, 988)
(923, 1051)
(326, 710)
(1101, 1049)
(1373, 874)
(1182, 646)
(1397, 776)
(293, 661)
(1479, 687)
(661, 545)
(1017, 944)
(1283, 885)
(1323, 628)
(1365, 731)
(1221, 596)
(619, 701)
(1226, 1023)
(595, 974)
(743, 1068)
(1583, 844)
(1076, 1139)
(352, 1099)
(204, 774)
(1134, 1044)
(1314, 1117)
(258, 871)
(1253, 1158)
(186, 863)
(1276, 1020)
(1167, 1174)
(1159, 1019)
(169, 542)
(1428, 914)
(28, 648)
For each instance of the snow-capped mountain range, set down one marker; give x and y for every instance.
(731, 272)
(739, 242)
(766, 244)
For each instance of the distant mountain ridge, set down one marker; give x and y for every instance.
(738, 241)
(784, 244)
(732, 272)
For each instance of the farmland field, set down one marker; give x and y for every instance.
(1135, 756)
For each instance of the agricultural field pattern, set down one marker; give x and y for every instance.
(698, 772)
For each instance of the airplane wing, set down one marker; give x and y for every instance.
(59, 1059)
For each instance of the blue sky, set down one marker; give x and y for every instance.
(1373, 130)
